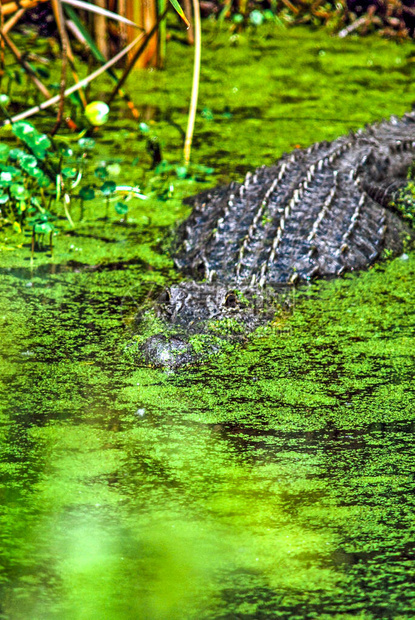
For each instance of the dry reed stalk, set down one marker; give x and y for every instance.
(12, 7)
(13, 21)
(136, 55)
(63, 35)
(101, 30)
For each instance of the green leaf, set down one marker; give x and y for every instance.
(43, 228)
(181, 172)
(9, 174)
(75, 99)
(4, 198)
(12, 169)
(43, 181)
(37, 173)
(65, 151)
(207, 114)
(101, 172)
(41, 178)
(69, 173)
(179, 9)
(163, 166)
(28, 163)
(40, 145)
(23, 130)
(121, 208)
(19, 192)
(16, 154)
(39, 218)
(87, 193)
(108, 188)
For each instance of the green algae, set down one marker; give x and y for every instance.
(272, 482)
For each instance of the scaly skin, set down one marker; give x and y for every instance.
(317, 213)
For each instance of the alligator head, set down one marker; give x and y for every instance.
(199, 318)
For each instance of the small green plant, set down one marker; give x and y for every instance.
(43, 230)
(36, 175)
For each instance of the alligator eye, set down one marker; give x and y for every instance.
(165, 297)
(201, 270)
(231, 300)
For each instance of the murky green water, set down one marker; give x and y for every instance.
(274, 482)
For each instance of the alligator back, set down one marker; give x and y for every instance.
(317, 213)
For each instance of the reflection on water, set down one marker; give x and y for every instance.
(274, 482)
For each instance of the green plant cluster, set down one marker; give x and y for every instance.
(42, 176)
(24, 178)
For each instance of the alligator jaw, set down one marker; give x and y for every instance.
(162, 351)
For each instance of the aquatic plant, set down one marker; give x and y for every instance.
(43, 175)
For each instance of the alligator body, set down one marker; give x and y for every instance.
(317, 213)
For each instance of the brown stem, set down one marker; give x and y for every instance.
(19, 57)
(30, 72)
(12, 7)
(187, 7)
(60, 20)
(13, 21)
(101, 29)
(122, 27)
(1, 42)
(69, 52)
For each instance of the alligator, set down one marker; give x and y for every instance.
(317, 213)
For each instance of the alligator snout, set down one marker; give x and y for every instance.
(173, 352)
(197, 319)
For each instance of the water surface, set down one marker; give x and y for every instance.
(273, 482)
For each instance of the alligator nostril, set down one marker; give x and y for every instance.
(201, 270)
(231, 300)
